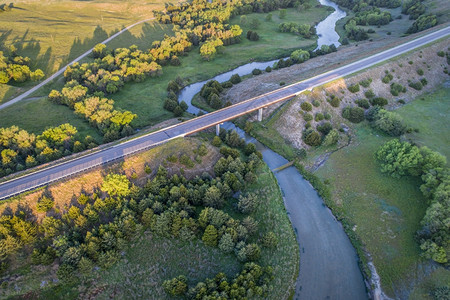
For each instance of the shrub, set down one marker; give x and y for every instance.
(334, 101)
(420, 72)
(256, 72)
(364, 103)
(172, 158)
(416, 85)
(327, 116)
(319, 117)
(252, 35)
(227, 84)
(354, 88)
(269, 17)
(424, 81)
(235, 79)
(379, 101)
(366, 82)
(386, 79)
(270, 240)
(147, 169)
(312, 137)
(282, 83)
(397, 88)
(331, 138)
(389, 122)
(441, 53)
(369, 94)
(316, 103)
(299, 56)
(306, 106)
(325, 128)
(401, 101)
(353, 114)
(216, 142)
(268, 69)
(307, 117)
(186, 160)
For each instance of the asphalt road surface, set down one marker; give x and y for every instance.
(61, 71)
(57, 172)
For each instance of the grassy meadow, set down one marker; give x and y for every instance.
(387, 211)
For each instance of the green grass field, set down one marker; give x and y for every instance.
(387, 212)
(430, 114)
(53, 33)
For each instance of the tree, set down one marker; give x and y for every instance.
(248, 203)
(312, 138)
(331, 138)
(176, 286)
(399, 158)
(270, 240)
(116, 185)
(44, 204)
(210, 236)
(299, 56)
(353, 114)
(226, 243)
(213, 197)
(389, 122)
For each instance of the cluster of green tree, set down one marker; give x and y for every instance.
(205, 24)
(413, 8)
(252, 281)
(405, 159)
(98, 110)
(112, 68)
(96, 227)
(372, 16)
(17, 68)
(324, 135)
(171, 102)
(300, 56)
(357, 5)
(305, 30)
(388, 122)
(423, 22)
(20, 149)
(211, 90)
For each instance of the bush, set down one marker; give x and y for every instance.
(397, 88)
(227, 84)
(353, 114)
(379, 101)
(424, 81)
(366, 82)
(319, 117)
(420, 72)
(306, 106)
(416, 85)
(369, 94)
(331, 138)
(256, 72)
(268, 69)
(299, 56)
(186, 160)
(307, 117)
(312, 138)
(216, 142)
(386, 79)
(282, 83)
(316, 103)
(354, 88)
(334, 101)
(389, 122)
(235, 79)
(364, 103)
(325, 128)
(252, 35)
(441, 53)
(270, 240)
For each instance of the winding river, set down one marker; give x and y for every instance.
(328, 262)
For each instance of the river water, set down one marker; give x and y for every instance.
(328, 262)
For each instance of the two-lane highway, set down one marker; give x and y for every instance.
(65, 169)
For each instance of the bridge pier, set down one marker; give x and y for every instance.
(217, 129)
(260, 111)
